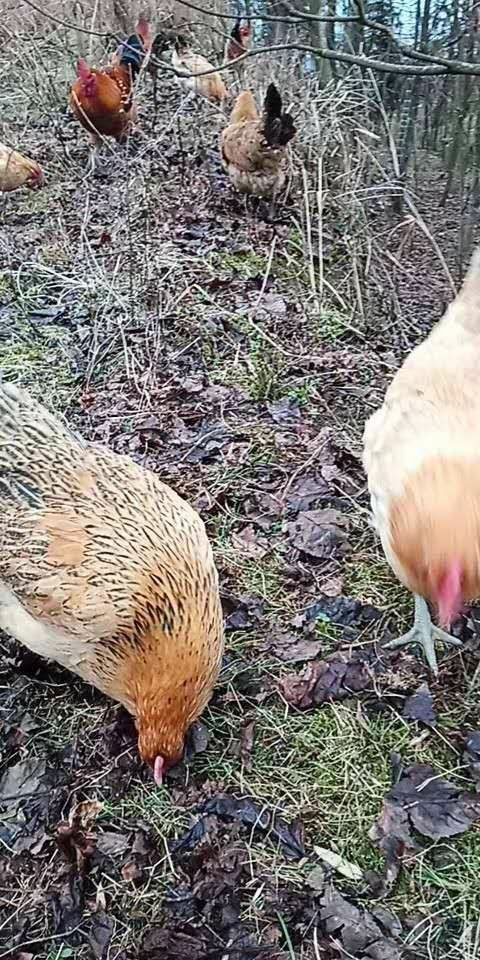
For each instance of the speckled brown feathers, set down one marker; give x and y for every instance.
(253, 148)
(108, 571)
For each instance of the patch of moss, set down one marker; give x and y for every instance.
(245, 263)
(330, 325)
(40, 364)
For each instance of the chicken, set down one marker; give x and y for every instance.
(422, 456)
(102, 100)
(210, 86)
(253, 149)
(18, 171)
(109, 572)
(239, 41)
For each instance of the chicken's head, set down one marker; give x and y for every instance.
(87, 77)
(36, 178)
(160, 744)
(144, 32)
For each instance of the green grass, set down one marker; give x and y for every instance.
(40, 364)
(333, 772)
(369, 578)
(303, 392)
(258, 369)
(330, 325)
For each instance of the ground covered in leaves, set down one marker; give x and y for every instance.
(328, 804)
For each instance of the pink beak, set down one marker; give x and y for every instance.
(158, 770)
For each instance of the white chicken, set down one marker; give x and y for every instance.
(422, 458)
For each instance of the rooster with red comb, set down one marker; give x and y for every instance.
(239, 41)
(102, 100)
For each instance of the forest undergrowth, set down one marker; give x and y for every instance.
(238, 358)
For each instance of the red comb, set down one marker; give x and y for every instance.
(83, 70)
(143, 31)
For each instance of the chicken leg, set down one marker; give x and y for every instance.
(93, 157)
(425, 633)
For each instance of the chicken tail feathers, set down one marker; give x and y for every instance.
(235, 34)
(132, 52)
(278, 127)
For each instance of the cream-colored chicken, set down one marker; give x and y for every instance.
(18, 171)
(108, 571)
(253, 147)
(208, 85)
(422, 457)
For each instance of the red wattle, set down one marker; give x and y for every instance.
(449, 596)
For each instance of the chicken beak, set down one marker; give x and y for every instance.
(158, 770)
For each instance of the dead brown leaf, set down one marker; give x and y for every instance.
(292, 648)
(424, 802)
(360, 934)
(247, 737)
(251, 544)
(326, 680)
(131, 871)
(319, 533)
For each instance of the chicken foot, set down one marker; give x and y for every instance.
(425, 633)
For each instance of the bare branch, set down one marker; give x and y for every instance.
(71, 26)
(448, 67)
(388, 32)
(434, 66)
(295, 18)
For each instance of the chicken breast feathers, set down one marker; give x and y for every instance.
(422, 454)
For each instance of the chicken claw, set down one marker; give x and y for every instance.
(425, 633)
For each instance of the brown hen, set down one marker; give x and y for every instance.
(188, 64)
(253, 147)
(109, 572)
(102, 100)
(18, 171)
